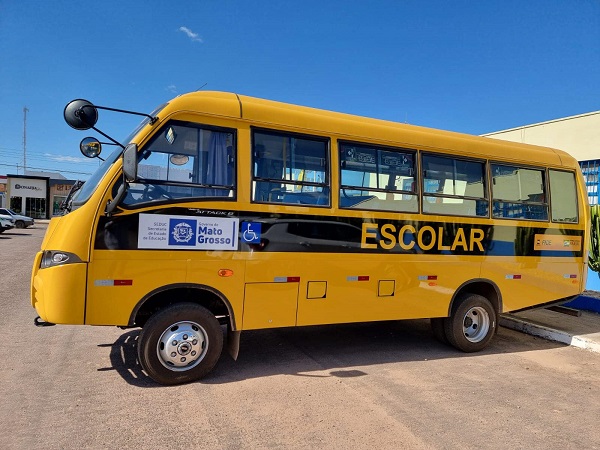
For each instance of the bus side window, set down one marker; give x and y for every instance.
(185, 160)
(290, 169)
(519, 193)
(563, 196)
(379, 179)
(454, 186)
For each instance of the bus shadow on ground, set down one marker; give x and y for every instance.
(324, 351)
(123, 356)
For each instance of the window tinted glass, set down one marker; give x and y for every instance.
(563, 193)
(377, 178)
(454, 186)
(519, 193)
(185, 160)
(290, 169)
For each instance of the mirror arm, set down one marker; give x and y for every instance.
(108, 137)
(152, 119)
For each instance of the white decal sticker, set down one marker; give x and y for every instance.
(188, 232)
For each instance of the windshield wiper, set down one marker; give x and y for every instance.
(65, 206)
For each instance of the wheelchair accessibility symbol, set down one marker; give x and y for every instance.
(251, 232)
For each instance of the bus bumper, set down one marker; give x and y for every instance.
(58, 293)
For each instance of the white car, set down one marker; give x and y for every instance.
(21, 221)
(6, 224)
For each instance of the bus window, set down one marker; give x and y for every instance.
(519, 193)
(563, 194)
(454, 186)
(290, 169)
(185, 160)
(377, 179)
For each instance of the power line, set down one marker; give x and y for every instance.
(44, 169)
(52, 159)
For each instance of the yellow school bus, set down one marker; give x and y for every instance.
(223, 210)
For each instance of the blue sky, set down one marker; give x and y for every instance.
(467, 66)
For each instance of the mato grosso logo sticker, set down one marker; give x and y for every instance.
(182, 231)
(188, 233)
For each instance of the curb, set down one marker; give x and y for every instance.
(548, 333)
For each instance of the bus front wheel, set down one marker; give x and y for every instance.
(179, 344)
(472, 323)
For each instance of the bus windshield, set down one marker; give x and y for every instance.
(88, 188)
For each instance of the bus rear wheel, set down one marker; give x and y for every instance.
(180, 344)
(472, 323)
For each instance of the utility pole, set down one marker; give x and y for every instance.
(25, 111)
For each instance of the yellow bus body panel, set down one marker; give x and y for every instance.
(528, 281)
(58, 293)
(118, 280)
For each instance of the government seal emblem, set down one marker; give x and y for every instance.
(182, 233)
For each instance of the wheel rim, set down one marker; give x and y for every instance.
(182, 346)
(476, 324)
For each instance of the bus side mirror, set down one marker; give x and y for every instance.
(80, 114)
(90, 147)
(130, 163)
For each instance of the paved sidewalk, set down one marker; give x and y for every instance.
(582, 331)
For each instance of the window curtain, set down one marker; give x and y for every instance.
(218, 171)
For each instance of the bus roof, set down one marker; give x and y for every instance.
(268, 113)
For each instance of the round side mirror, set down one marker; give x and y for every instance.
(81, 114)
(90, 147)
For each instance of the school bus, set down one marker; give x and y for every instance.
(227, 211)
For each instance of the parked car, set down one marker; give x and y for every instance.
(6, 224)
(21, 221)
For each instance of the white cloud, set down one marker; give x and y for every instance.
(172, 89)
(189, 33)
(66, 159)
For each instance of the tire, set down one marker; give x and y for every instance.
(180, 344)
(472, 324)
(438, 329)
(20, 224)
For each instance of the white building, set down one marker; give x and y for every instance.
(577, 135)
(35, 194)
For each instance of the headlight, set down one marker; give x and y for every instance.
(53, 258)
